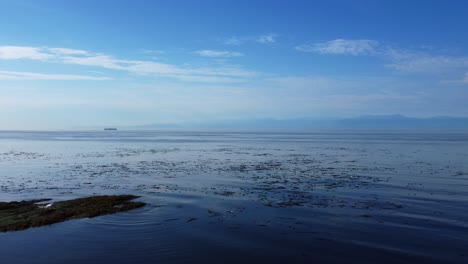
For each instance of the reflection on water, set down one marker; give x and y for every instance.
(232, 197)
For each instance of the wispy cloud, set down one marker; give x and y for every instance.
(16, 52)
(422, 61)
(266, 39)
(158, 69)
(14, 75)
(97, 60)
(342, 47)
(149, 51)
(218, 54)
(65, 51)
(426, 63)
(234, 41)
(261, 39)
(139, 67)
(432, 62)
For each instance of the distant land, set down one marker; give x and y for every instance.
(368, 122)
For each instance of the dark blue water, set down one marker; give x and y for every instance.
(327, 197)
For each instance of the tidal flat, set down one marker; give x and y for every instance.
(229, 197)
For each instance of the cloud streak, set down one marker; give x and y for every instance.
(223, 74)
(218, 54)
(399, 60)
(17, 52)
(426, 63)
(342, 47)
(267, 39)
(234, 41)
(14, 75)
(261, 39)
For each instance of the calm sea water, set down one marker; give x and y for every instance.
(236, 197)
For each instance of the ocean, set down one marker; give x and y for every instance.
(324, 197)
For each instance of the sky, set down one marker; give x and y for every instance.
(75, 64)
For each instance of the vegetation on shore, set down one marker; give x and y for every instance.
(15, 216)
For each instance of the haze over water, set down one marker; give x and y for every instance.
(232, 197)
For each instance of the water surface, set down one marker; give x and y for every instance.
(230, 197)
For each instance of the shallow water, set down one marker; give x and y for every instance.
(231, 197)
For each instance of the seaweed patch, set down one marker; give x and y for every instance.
(15, 216)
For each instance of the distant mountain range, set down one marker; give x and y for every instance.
(370, 122)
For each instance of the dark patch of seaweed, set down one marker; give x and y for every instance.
(15, 216)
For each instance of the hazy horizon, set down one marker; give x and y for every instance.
(86, 64)
(374, 123)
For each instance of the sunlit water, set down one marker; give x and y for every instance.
(237, 197)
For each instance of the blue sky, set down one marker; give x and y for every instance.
(66, 64)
